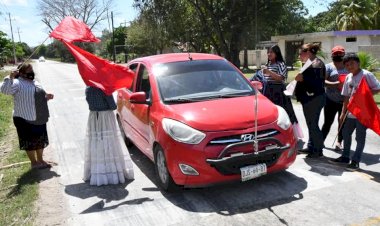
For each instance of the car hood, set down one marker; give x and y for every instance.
(224, 114)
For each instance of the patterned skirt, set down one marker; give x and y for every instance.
(31, 137)
(106, 157)
(274, 91)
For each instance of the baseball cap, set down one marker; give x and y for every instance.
(338, 50)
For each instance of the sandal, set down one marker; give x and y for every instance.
(43, 165)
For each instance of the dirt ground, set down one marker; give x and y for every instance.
(50, 206)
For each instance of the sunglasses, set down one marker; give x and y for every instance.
(304, 50)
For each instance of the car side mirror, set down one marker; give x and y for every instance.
(257, 85)
(138, 98)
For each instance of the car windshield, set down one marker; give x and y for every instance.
(201, 80)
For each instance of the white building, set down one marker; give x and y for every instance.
(353, 41)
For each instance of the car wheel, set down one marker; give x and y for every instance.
(165, 181)
(127, 142)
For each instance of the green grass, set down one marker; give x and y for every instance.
(5, 110)
(19, 185)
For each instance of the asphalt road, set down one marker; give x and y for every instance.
(310, 192)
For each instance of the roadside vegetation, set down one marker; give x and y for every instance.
(18, 184)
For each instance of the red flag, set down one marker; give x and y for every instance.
(100, 73)
(341, 79)
(73, 30)
(363, 107)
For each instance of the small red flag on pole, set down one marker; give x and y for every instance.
(362, 105)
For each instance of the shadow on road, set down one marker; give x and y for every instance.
(324, 167)
(108, 193)
(367, 158)
(375, 176)
(32, 177)
(99, 206)
(232, 198)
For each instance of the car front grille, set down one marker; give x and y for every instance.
(239, 138)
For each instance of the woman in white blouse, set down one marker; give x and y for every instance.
(30, 113)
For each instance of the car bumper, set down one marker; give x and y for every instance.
(229, 165)
(219, 168)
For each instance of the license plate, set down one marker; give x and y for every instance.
(250, 172)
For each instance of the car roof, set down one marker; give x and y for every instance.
(175, 57)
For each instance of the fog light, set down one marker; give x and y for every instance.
(188, 170)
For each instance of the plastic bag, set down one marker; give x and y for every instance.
(297, 131)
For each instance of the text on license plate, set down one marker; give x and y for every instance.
(253, 171)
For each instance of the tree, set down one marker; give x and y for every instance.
(141, 38)
(355, 16)
(226, 26)
(5, 47)
(42, 50)
(90, 12)
(119, 40)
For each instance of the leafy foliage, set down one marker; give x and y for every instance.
(367, 61)
(224, 26)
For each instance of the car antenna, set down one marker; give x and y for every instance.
(189, 55)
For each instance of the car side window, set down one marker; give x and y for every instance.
(133, 67)
(143, 78)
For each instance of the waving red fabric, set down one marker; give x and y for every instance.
(94, 70)
(100, 73)
(363, 106)
(73, 30)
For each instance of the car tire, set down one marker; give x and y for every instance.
(127, 141)
(165, 181)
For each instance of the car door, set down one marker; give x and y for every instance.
(124, 106)
(139, 113)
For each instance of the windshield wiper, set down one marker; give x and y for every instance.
(232, 95)
(181, 100)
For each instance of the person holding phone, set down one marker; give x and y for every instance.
(30, 113)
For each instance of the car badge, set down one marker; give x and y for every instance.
(247, 137)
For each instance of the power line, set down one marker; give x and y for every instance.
(5, 8)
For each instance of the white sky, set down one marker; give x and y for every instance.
(28, 27)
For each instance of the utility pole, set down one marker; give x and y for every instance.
(18, 31)
(14, 47)
(113, 40)
(256, 35)
(125, 41)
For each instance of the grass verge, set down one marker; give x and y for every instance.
(18, 185)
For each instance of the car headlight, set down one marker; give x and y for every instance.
(181, 132)
(283, 120)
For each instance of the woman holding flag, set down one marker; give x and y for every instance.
(358, 83)
(106, 158)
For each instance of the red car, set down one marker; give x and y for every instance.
(194, 115)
